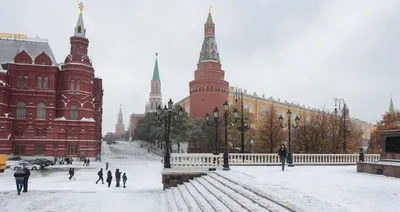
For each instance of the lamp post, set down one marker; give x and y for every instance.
(216, 120)
(289, 125)
(226, 162)
(239, 98)
(165, 115)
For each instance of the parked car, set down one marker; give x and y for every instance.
(16, 158)
(45, 161)
(21, 164)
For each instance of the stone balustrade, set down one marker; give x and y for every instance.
(207, 161)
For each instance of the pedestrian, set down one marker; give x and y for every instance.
(100, 173)
(282, 155)
(67, 159)
(109, 178)
(117, 177)
(84, 162)
(26, 178)
(71, 160)
(87, 162)
(71, 173)
(19, 179)
(107, 166)
(124, 178)
(55, 160)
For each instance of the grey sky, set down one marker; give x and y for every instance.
(303, 51)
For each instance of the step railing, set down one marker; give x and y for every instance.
(216, 161)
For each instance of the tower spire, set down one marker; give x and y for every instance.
(120, 108)
(156, 74)
(391, 107)
(80, 30)
(209, 50)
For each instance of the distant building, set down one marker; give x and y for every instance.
(49, 109)
(120, 126)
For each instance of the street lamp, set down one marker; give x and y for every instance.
(289, 125)
(239, 97)
(165, 115)
(226, 162)
(216, 120)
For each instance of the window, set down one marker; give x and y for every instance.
(70, 132)
(41, 111)
(72, 149)
(24, 132)
(19, 82)
(79, 29)
(19, 149)
(72, 85)
(44, 132)
(73, 114)
(21, 111)
(251, 108)
(75, 133)
(39, 83)
(36, 132)
(39, 150)
(46, 83)
(78, 86)
(26, 82)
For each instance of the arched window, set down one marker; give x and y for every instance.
(251, 108)
(41, 111)
(73, 113)
(79, 29)
(46, 83)
(78, 85)
(72, 85)
(21, 111)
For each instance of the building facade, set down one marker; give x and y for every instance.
(120, 126)
(155, 100)
(259, 104)
(208, 89)
(49, 109)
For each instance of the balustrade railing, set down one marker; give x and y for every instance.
(216, 161)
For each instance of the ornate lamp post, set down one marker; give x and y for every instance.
(165, 115)
(216, 119)
(289, 125)
(226, 162)
(239, 98)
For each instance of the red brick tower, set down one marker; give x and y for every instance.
(208, 89)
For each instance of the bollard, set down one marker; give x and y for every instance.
(361, 155)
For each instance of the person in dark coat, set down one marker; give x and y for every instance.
(107, 165)
(100, 173)
(19, 179)
(282, 155)
(71, 173)
(26, 178)
(84, 162)
(87, 162)
(124, 179)
(117, 177)
(109, 178)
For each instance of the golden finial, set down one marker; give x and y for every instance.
(80, 8)
(209, 9)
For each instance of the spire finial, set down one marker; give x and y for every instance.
(81, 8)
(209, 9)
(156, 54)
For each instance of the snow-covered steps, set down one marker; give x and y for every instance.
(245, 194)
(171, 204)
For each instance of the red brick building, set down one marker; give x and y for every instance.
(46, 108)
(208, 89)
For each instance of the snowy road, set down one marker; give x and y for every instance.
(51, 190)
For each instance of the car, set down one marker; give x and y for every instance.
(21, 164)
(16, 158)
(44, 162)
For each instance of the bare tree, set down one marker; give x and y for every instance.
(270, 133)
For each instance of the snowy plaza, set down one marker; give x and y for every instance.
(302, 188)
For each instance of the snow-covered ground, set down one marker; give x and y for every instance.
(303, 188)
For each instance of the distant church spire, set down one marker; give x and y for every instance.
(391, 107)
(209, 50)
(80, 30)
(156, 74)
(155, 97)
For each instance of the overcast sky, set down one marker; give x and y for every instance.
(307, 52)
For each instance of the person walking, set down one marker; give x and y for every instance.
(107, 166)
(109, 178)
(19, 179)
(282, 155)
(87, 162)
(26, 178)
(117, 177)
(100, 173)
(124, 179)
(71, 173)
(84, 162)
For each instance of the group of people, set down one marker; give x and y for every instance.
(110, 177)
(21, 179)
(86, 162)
(62, 161)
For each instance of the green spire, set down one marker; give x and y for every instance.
(391, 107)
(209, 19)
(156, 75)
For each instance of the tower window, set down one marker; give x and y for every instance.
(46, 83)
(79, 29)
(73, 115)
(78, 86)
(26, 82)
(41, 111)
(39, 83)
(72, 85)
(21, 111)
(19, 81)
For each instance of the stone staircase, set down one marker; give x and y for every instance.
(215, 192)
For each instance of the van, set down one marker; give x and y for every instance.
(3, 159)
